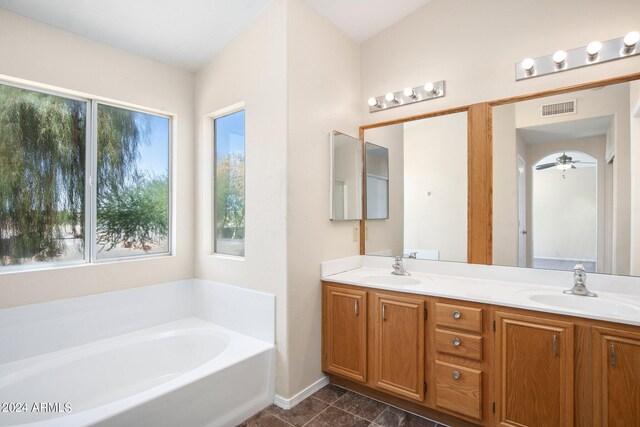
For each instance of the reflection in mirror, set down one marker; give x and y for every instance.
(377, 187)
(566, 173)
(427, 216)
(345, 189)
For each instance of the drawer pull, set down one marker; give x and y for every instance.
(555, 346)
(356, 311)
(456, 314)
(383, 312)
(456, 375)
(456, 342)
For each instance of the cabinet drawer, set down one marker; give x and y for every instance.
(459, 344)
(459, 389)
(459, 317)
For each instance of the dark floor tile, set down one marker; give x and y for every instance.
(264, 419)
(394, 417)
(329, 393)
(332, 417)
(361, 406)
(301, 413)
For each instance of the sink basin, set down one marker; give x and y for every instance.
(594, 305)
(390, 279)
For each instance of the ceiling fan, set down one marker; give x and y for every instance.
(562, 163)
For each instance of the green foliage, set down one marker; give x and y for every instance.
(229, 203)
(42, 150)
(134, 216)
(42, 172)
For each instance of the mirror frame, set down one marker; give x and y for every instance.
(480, 163)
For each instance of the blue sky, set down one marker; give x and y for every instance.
(154, 151)
(229, 132)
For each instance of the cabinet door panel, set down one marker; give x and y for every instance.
(400, 345)
(345, 337)
(617, 388)
(535, 371)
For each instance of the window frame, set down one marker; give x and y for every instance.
(236, 108)
(90, 190)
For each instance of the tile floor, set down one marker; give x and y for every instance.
(333, 406)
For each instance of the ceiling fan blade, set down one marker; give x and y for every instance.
(545, 166)
(573, 167)
(584, 163)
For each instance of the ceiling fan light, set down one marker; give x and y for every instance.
(564, 166)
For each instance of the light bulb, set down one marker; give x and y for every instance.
(373, 102)
(527, 64)
(409, 93)
(559, 57)
(429, 88)
(631, 39)
(594, 48)
(390, 97)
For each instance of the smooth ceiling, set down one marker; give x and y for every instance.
(188, 33)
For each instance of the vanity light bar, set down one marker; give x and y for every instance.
(409, 95)
(594, 53)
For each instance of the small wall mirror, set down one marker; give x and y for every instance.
(345, 188)
(377, 187)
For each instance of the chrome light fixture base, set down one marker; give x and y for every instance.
(576, 58)
(400, 98)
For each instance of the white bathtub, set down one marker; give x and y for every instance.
(186, 372)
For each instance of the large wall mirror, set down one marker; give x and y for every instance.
(427, 189)
(566, 181)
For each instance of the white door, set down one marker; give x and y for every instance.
(522, 216)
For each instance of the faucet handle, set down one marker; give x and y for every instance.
(579, 267)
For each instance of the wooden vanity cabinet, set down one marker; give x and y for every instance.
(616, 381)
(534, 371)
(345, 332)
(399, 332)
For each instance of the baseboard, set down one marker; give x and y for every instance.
(290, 403)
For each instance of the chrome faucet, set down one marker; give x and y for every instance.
(580, 282)
(398, 268)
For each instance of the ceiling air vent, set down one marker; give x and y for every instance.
(559, 108)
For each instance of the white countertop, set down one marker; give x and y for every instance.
(621, 306)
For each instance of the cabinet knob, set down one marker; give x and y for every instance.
(456, 314)
(456, 342)
(455, 375)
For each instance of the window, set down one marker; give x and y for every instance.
(132, 183)
(49, 211)
(229, 197)
(42, 177)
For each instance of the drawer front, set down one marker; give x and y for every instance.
(459, 389)
(459, 344)
(459, 317)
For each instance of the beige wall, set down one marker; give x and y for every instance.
(45, 55)
(564, 214)
(250, 70)
(634, 154)
(323, 69)
(505, 186)
(474, 46)
(280, 67)
(435, 186)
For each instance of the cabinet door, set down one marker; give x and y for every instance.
(534, 371)
(345, 333)
(617, 370)
(399, 345)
